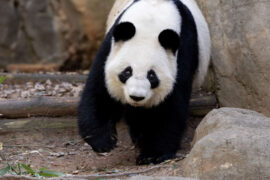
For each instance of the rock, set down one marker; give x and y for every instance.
(240, 33)
(230, 144)
(59, 154)
(39, 87)
(47, 31)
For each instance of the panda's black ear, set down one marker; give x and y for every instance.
(124, 31)
(169, 39)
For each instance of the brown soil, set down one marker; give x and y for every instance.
(63, 150)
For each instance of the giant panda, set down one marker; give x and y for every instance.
(152, 55)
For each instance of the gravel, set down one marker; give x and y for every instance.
(30, 89)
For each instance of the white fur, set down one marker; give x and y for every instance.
(143, 53)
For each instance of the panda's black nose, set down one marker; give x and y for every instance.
(136, 98)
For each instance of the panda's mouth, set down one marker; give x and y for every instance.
(137, 98)
(136, 101)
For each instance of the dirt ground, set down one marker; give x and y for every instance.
(63, 150)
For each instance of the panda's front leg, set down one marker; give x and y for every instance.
(97, 117)
(157, 131)
(160, 144)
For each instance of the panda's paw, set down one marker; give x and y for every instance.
(103, 143)
(144, 160)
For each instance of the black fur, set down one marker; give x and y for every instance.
(156, 131)
(125, 75)
(169, 39)
(153, 79)
(124, 31)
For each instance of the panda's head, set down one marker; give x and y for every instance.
(141, 68)
(141, 72)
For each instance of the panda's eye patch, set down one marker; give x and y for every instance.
(124, 31)
(169, 40)
(153, 79)
(125, 75)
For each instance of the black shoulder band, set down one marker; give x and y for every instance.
(188, 55)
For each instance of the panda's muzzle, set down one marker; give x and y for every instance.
(137, 98)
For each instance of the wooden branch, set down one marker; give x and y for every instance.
(200, 105)
(118, 175)
(28, 146)
(27, 124)
(42, 106)
(67, 106)
(94, 176)
(20, 78)
(32, 68)
(17, 177)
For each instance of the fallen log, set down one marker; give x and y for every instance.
(41, 106)
(28, 124)
(32, 68)
(200, 105)
(56, 107)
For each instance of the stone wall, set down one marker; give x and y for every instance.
(240, 31)
(49, 31)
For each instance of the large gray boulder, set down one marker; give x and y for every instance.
(49, 31)
(230, 144)
(240, 32)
